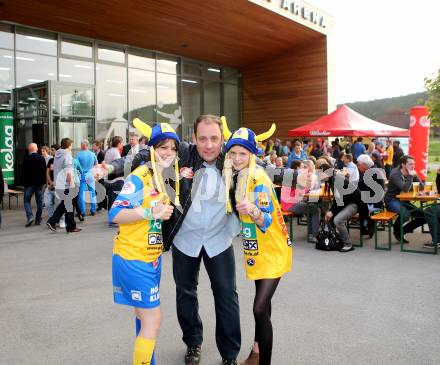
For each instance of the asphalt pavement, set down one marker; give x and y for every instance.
(361, 307)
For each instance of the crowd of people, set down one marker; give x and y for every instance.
(64, 184)
(363, 179)
(196, 197)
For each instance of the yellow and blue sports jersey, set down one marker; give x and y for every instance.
(267, 248)
(140, 240)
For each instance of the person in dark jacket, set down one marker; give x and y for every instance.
(401, 180)
(346, 204)
(432, 215)
(99, 153)
(2, 192)
(34, 177)
(398, 154)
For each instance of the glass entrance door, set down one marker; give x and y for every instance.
(73, 112)
(31, 120)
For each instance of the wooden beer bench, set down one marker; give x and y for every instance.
(11, 193)
(387, 219)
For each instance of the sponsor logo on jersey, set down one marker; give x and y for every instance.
(251, 245)
(248, 231)
(154, 192)
(155, 239)
(263, 200)
(280, 220)
(155, 264)
(154, 293)
(289, 242)
(136, 295)
(250, 262)
(155, 226)
(117, 290)
(128, 188)
(121, 203)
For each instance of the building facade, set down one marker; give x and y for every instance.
(87, 69)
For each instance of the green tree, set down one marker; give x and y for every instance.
(432, 86)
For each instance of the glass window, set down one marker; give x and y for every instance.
(231, 106)
(111, 86)
(111, 55)
(190, 102)
(142, 62)
(168, 108)
(6, 37)
(37, 42)
(167, 64)
(193, 69)
(76, 71)
(33, 68)
(213, 72)
(141, 95)
(6, 78)
(76, 48)
(211, 98)
(73, 100)
(231, 75)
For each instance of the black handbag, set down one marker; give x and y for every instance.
(328, 239)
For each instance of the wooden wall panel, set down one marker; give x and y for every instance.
(289, 89)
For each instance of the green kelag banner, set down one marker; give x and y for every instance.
(7, 145)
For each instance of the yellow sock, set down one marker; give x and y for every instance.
(143, 351)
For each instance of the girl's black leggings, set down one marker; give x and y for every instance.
(264, 291)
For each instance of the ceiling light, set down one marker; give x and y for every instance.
(32, 98)
(162, 87)
(110, 51)
(7, 56)
(83, 66)
(115, 81)
(5, 68)
(117, 95)
(5, 91)
(65, 75)
(34, 80)
(189, 81)
(213, 69)
(25, 59)
(40, 39)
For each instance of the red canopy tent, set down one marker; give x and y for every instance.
(345, 122)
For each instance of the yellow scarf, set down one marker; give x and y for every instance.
(158, 179)
(243, 188)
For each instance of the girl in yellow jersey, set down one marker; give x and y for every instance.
(266, 244)
(139, 210)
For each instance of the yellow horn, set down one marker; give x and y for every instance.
(266, 135)
(226, 132)
(142, 127)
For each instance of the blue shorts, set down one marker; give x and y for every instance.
(136, 283)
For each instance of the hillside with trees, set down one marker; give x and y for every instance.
(393, 111)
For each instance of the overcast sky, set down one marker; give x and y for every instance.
(384, 48)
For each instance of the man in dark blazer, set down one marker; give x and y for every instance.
(34, 177)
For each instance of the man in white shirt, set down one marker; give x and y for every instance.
(351, 167)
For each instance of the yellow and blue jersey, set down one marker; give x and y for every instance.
(267, 248)
(140, 240)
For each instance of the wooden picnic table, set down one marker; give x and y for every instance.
(422, 198)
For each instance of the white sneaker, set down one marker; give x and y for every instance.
(431, 245)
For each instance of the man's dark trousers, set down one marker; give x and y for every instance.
(69, 199)
(221, 272)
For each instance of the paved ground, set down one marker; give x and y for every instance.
(364, 307)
